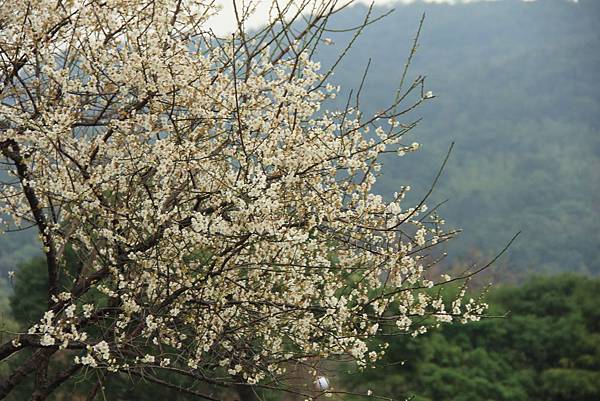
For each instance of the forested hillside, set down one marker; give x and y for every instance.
(517, 87)
(543, 344)
(545, 347)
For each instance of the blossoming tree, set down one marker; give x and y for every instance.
(224, 224)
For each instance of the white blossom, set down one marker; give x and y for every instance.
(47, 340)
(215, 208)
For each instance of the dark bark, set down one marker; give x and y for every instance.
(11, 150)
(246, 393)
(27, 368)
(42, 392)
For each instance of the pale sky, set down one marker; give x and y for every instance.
(224, 22)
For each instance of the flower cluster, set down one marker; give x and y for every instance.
(221, 218)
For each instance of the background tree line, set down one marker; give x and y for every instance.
(543, 344)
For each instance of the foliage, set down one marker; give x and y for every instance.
(8, 325)
(28, 299)
(547, 348)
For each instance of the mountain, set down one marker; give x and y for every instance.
(517, 88)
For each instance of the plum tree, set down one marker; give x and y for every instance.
(224, 224)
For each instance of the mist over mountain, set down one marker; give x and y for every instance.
(517, 88)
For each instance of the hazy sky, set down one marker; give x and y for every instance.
(225, 21)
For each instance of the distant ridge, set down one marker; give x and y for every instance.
(518, 86)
